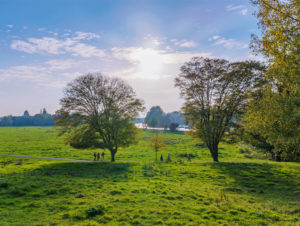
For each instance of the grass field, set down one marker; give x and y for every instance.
(135, 190)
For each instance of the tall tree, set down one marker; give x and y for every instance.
(104, 108)
(275, 114)
(214, 91)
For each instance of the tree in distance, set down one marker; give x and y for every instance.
(215, 90)
(173, 126)
(155, 117)
(153, 122)
(157, 143)
(96, 112)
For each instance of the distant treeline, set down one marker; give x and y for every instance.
(42, 119)
(155, 118)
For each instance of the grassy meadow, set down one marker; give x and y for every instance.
(136, 190)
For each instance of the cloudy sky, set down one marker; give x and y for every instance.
(46, 44)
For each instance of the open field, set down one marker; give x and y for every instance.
(135, 190)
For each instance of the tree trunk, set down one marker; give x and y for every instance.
(156, 156)
(278, 157)
(113, 153)
(215, 156)
(214, 151)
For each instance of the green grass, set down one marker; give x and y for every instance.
(135, 190)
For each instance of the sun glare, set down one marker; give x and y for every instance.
(149, 63)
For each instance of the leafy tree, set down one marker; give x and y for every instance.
(174, 116)
(157, 143)
(97, 111)
(26, 113)
(215, 90)
(173, 126)
(274, 114)
(155, 116)
(152, 122)
(7, 121)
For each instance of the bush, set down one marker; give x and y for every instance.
(173, 126)
(94, 211)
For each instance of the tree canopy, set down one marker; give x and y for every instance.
(274, 111)
(96, 112)
(215, 90)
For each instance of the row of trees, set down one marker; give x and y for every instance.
(42, 119)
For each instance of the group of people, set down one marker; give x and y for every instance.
(97, 156)
(168, 159)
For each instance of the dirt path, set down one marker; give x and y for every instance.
(50, 158)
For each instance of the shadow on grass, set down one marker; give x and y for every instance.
(105, 170)
(266, 180)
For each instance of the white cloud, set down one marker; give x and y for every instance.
(188, 44)
(241, 9)
(61, 64)
(52, 73)
(10, 25)
(228, 43)
(184, 43)
(85, 50)
(85, 35)
(152, 40)
(232, 7)
(59, 46)
(244, 12)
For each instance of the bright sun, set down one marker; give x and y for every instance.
(149, 63)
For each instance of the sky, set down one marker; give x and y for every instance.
(46, 44)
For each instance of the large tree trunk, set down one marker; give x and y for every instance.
(113, 153)
(214, 151)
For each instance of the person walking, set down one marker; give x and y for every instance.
(189, 157)
(102, 154)
(169, 158)
(98, 156)
(161, 158)
(95, 155)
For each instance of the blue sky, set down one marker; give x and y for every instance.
(46, 44)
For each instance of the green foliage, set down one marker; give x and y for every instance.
(155, 117)
(152, 122)
(274, 110)
(84, 137)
